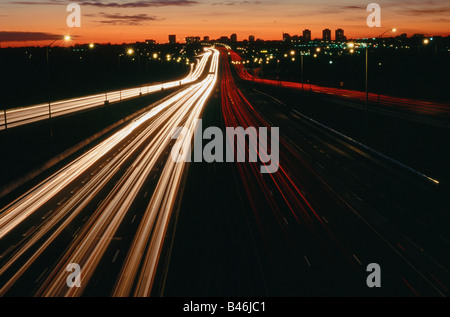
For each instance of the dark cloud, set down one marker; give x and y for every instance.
(118, 4)
(427, 11)
(355, 7)
(6, 36)
(124, 19)
(232, 3)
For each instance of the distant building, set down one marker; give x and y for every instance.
(224, 39)
(150, 42)
(340, 35)
(295, 39)
(307, 35)
(326, 35)
(172, 39)
(251, 38)
(233, 37)
(286, 38)
(192, 39)
(206, 39)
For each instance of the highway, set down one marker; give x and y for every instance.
(312, 228)
(118, 197)
(420, 107)
(309, 229)
(26, 115)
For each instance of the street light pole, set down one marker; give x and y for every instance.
(66, 38)
(379, 71)
(119, 76)
(301, 54)
(1, 87)
(367, 79)
(49, 89)
(367, 94)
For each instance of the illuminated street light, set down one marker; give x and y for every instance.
(65, 38)
(91, 45)
(392, 30)
(130, 51)
(367, 79)
(426, 41)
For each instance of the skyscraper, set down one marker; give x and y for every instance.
(340, 35)
(286, 37)
(326, 35)
(233, 38)
(192, 39)
(307, 35)
(172, 39)
(251, 38)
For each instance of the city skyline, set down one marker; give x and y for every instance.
(35, 22)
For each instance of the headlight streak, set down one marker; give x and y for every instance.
(25, 115)
(153, 227)
(95, 236)
(28, 203)
(89, 250)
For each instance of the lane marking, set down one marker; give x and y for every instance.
(357, 259)
(115, 256)
(306, 259)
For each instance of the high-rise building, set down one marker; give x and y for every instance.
(326, 35)
(286, 37)
(251, 38)
(340, 35)
(307, 35)
(206, 39)
(192, 39)
(233, 37)
(172, 39)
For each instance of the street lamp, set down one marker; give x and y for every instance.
(301, 63)
(367, 70)
(1, 85)
(66, 38)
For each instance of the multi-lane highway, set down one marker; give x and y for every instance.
(313, 227)
(421, 107)
(346, 198)
(108, 210)
(25, 115)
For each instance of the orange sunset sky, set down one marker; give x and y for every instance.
(118, 21)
